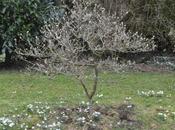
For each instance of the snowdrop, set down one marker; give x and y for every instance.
(173, 113)
(30, 106)
(151, 93)
(81, 120)
(99, 95)
(128, 98)
(82, 102)
(96, 102)
(96, 114)
(160, 93)
(162, 116)
(6, 122)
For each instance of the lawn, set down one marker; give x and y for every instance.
(151, 93)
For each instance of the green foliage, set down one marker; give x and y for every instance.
(20, 22)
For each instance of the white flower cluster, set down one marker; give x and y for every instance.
(39, 110)
(96, 114)
(128, 98)
(173, 113)
(6, 122)
(24, 126)
(36, 108)
(52, 126)
(81, 120)
(42, 110)
(84, 103)
(162, 116)
(64, 117)
(100, 95)
(166, 114)
(151, 93)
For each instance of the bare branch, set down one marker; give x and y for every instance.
(78, 43)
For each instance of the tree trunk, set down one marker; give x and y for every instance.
(91, 94)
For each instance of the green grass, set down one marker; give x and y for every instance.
(19, 89)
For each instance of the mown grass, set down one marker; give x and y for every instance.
(19, 89)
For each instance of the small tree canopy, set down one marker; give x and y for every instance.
(72, 46)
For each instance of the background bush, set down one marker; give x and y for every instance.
(20, 22)
(149, 17)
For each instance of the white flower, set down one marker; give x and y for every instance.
(150, 93)
(100, 95)
(159, 93)
(61, 102)
(96, 114)
(81, 119)
(87, 103)
(59, 124)
(128, 98)
(11, 124)
(83, 102)
(30, 106)
(129, 106)
(173, 113)
(162, 115)
(38, 125)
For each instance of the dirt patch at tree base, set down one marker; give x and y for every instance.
(98, 117)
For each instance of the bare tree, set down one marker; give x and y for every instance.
(75, 44)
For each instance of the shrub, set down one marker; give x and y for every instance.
(20, 22)
(148, 17)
